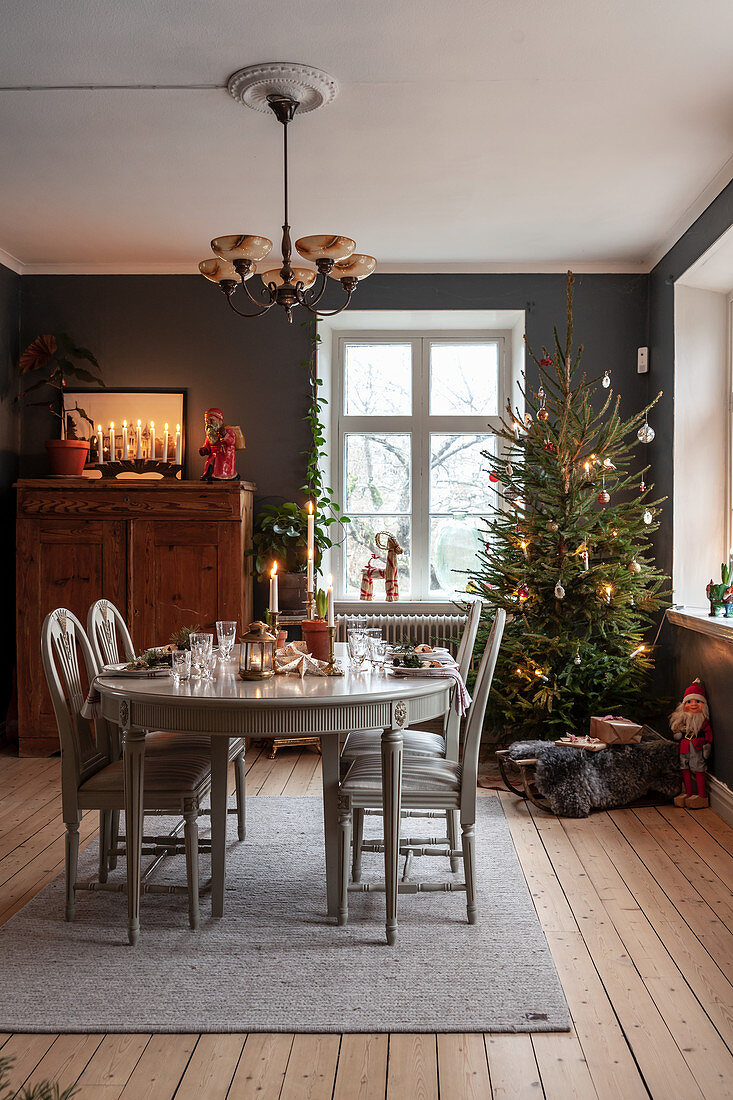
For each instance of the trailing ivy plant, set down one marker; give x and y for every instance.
(330, 521)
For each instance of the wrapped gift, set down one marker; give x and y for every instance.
(613, 730)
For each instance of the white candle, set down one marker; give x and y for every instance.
(273, 588)
(125, 442)
(152, 439)
(309, 582)
(139, 440)
(100, 443)
(178, 444)
(111, 440)
(165, 443)
(329, 593)
(311, 528)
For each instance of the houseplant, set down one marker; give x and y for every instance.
(280, 532)
(52, 358)
(315, 631)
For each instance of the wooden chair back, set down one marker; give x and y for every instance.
(476, 715)
(84, 748)
(106, 630)
(464, 656)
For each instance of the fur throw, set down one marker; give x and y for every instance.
(575, 782)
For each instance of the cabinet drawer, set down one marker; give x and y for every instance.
(121, 503)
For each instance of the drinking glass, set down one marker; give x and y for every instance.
(226, 633)
(180, 665)
(372, 634)
(209, 663)
(201, 645)
(357, 644)
(377, 652)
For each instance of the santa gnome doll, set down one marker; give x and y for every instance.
(220, 447)
(690, 725)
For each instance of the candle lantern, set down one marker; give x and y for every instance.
(257, 653)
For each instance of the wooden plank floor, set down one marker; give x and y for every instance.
(637, 907)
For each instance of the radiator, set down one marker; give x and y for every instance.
(442, 630)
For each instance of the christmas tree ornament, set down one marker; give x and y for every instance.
(606, 381)
(576, 658)
(523, 593)
(645, 433)
(634, 566)
(559, 591)
(603, 497)
(552, 526)
(583, 551)
(528, 419)
(542, 414)
(509, 469)
(493, 478)
(647, 517)
(642, 486)
(549, 446)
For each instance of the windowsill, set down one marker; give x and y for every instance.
(699, 619)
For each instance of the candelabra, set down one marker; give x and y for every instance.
(332, 669)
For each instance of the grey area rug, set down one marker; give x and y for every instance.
(276, 962)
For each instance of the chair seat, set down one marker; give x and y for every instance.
(427, 774)
(166, 774)
(415, 742)
(163, 741)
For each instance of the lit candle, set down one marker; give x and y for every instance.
(165, 443)
(139, 440)
(311, 536)
(125, 442)
(609, 590)
(100, 444)
(329, 593)
(273, 588)
(309, 582)
(152, 439)
(523, 544)
(178, 444)
(111, 440)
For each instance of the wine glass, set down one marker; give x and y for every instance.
(226, 633)
(357, 644)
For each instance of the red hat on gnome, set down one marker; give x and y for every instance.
(696, 690)
(215, 413)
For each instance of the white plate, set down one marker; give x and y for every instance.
(424, 671)
(136, 673)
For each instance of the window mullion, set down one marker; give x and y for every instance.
(421, 453)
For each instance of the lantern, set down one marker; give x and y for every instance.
(257, 653)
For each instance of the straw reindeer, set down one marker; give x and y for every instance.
(376, 567)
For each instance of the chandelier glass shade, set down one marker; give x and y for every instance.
(236, 256)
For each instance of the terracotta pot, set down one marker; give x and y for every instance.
(282, 639)
(67, 457)
(292, 591)
(315, 635)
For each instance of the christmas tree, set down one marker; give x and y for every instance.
(567, 553)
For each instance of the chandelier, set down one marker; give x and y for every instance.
(284, 89)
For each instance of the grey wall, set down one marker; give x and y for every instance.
(177, 331)
(9, 442)
(690, 654)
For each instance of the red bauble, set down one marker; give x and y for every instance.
(493, 477)
(523, 592)
(603, 497)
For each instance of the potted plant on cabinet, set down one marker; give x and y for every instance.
(315, 631)
(53, 356)
(280, 535)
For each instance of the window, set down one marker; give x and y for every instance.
(412, 416)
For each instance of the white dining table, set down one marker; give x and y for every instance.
(285, 705)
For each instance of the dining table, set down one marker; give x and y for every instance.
(225, 707)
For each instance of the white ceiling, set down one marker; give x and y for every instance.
(499, 135)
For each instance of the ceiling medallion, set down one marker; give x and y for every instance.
(283, 89)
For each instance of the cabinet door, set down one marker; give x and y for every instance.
(61, 563)
(183, 574)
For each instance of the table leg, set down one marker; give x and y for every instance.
(219, 778)
(133, 770)
(330, 766)
(392, 743)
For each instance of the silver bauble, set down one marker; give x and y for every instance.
(645, 433)
(559, 591)
(647, 517)
(552, 526)
(606, 381)
(634, 566)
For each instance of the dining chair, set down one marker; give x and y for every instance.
(427, 784)
(92, 779)
(112, 643)
(420, 742)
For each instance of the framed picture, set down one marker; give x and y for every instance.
(128, 424)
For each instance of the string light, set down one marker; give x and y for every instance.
(608, 590)
(638, 650)
(523, 544)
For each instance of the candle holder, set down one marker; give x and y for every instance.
(332, 669)
(310, 605)
(273, 620)
(112, 469)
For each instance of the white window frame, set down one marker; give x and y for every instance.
(421, 425)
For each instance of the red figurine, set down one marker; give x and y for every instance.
(690, 725)
(220, 448)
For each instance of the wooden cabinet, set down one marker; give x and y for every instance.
(168, 555)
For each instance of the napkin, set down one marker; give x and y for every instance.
(295, 658)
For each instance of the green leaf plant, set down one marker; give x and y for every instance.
(41, 1090)
(567, 555)
(51, 359)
